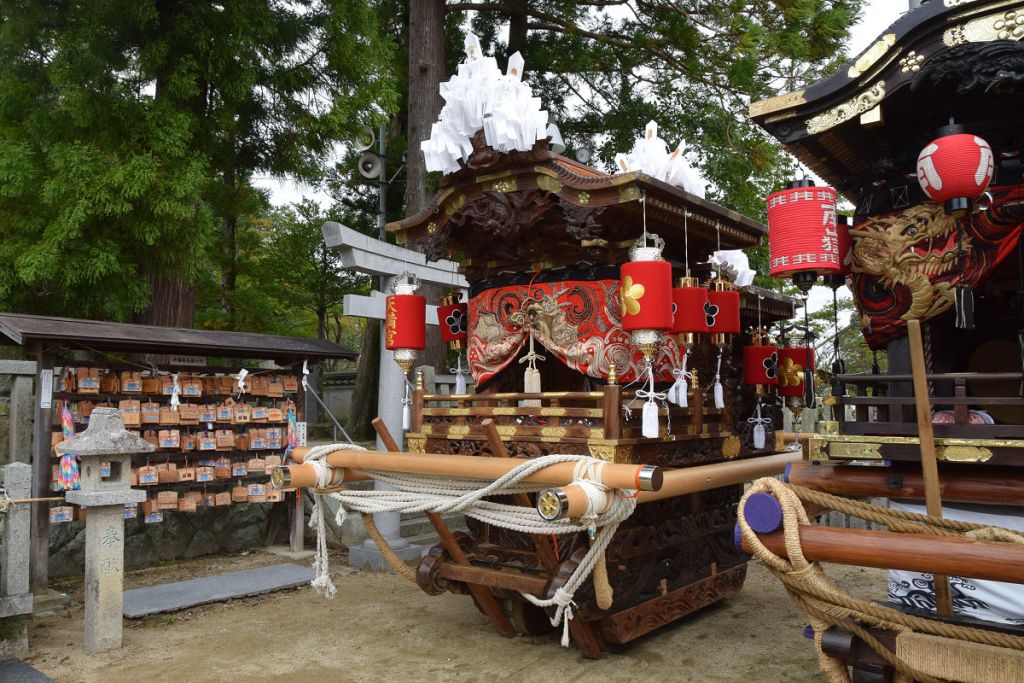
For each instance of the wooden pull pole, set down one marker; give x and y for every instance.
(488, 605)
(929, 464)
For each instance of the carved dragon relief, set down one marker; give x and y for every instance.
(906, 263)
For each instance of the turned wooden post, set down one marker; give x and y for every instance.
(612, 406)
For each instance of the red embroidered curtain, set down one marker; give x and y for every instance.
(577, 321)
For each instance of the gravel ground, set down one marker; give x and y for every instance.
(380, 628)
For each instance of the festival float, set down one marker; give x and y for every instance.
(922, 135)
(625, 379)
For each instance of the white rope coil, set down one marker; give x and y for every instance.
(416, 493)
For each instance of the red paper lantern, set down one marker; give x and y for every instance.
(723, 310)
(405, 326)
(802, 231)
(646, 295)
(955, 169)
(793, 369)
(845, 242)
(760, 364)
(688, 315)
(453, 321)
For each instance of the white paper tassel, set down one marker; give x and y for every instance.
(531, 376)
(649, 417)
(175, 392)
(760, 427)
(407, 409)
(680, 389)
(759, 437)
(719, 392)
(650, 420)
(460, 376)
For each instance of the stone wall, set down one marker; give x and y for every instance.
(182, 535)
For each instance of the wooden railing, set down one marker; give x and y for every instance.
(608, 414)
(884, 404)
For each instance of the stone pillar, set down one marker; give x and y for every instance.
(20, 435)
(15, 586)
(105, 439)
(104, 577)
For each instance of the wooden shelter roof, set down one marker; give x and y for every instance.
(20, 329)
(865, 124)
(529, 210)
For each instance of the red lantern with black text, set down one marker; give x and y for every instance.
(688, 314)
(803, 240)
(405, 325)
(453, 321)
(646, 295)
(795, 364)
(955, 169)
(723, 312)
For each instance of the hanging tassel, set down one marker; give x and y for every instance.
(964, 300)
(531, 376)
(649, 417)
(407, 409)
(719, 392)
(760, 427)
(460, 377)
(679, 391)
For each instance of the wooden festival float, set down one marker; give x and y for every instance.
(937, 277)
(543, 242)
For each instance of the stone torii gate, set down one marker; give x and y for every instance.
(365, 254)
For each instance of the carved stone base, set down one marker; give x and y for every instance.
(627, 625)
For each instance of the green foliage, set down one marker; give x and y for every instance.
(129, 130)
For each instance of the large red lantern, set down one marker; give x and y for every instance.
(803, 241)
(453, 321)
(405, 324)
(688, 314)
(955, 169)
(646, 294)
(796, 364)
(723, 312)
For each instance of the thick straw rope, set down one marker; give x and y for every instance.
(417, 493)
(827, 605)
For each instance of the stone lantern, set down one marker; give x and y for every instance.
(105, 440)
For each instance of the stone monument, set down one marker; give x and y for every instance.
(104, 441)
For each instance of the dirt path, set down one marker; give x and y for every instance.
(381, 628)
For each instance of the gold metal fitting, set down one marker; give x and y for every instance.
(613, 375)
(449, 298)
(686, 339)
(419, 379)
(687, 281)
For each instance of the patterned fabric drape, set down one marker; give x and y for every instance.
(577, 321)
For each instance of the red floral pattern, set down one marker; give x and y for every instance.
(578, 321)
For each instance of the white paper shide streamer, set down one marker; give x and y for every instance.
(480, 97)
(650, 155)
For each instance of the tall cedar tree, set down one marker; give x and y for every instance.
(130, 130)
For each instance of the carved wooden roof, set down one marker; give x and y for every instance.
(865, 124)
(528, 210)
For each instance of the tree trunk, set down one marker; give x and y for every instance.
(172, 300)
(426, 71)
(364, 395)
(517, 29)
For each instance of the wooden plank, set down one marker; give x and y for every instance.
(587, 396)
(41, 474)
(502, 411)
(929, 462)
(485, 578)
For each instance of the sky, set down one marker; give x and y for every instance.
(876, 16)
